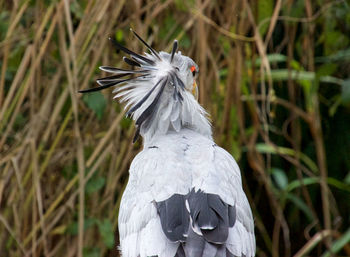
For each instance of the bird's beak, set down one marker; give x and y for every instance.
(195, 90)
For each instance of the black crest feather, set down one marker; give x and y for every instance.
(144, 42)
(131, 53)
(175, 45)
(143, 68)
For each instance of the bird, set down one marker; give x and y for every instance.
(184, 196)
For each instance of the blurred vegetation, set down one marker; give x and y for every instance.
(274, 75)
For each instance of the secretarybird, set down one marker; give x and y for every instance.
(184, 196)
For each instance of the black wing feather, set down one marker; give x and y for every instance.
(174, 217)
(210, 214)
(207, 212)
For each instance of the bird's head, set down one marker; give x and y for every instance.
(182, 68)
(160, 91)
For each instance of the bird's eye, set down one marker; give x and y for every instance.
(193, 70)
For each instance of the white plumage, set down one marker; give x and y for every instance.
(184, 196)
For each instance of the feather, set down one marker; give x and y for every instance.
(106, 80)
(210, 214)
(176, 125)
(174, 79)
(175, 112)
(228, 253)
(138, 105)
(107, 85)
(180, 252)
(174, 217)
(137, 134)
(150, 48)
(131, 62)
(175, 45)
(120, 71)
(194, 244)
(158, 174)
(231, 215)
(179, 81)
(150, 109)
(186, 115)
(131, 53)
(167, 111)
(140, 61)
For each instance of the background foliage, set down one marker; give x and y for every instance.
(273, 74)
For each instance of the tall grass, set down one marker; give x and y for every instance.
(274, 75)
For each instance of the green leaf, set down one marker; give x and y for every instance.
(301, 205)
(94, 184)
(305, 181)
(285, 74)
(91, 252)
(310, 181)
(96, 102)
(70, 170)
(119, 35)
(333, 108)
(185, 41)
(125, 123)
(264, 148)
(169, 23)
(279, 177)
(347, 179)
(225, 44)
(72, 228)
(272, 58)
(265, 10)
(106, 230)
(342, 55)
(345, 91)
(183, 5)
(334, 40)
(4, 23)
(327, 69)
(338, 184)
(297, 10)
(338, 244)
(19, 121)
(76, 9)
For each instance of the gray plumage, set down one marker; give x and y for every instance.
(184, 196)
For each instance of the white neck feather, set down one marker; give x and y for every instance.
(170, 115)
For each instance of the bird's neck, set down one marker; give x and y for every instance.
(174, 116)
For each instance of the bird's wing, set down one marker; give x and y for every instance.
(217, 191)
(241, 239)
(156, 174)
(185, 198)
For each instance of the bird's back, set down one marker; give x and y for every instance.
(184, 198)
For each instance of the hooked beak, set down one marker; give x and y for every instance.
(195, 90)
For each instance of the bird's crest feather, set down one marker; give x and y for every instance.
(144, 85)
